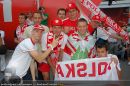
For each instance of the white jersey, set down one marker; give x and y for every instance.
(21, 58)
(29, 22)
(112, 32)
(76, 43)
(102, 33)
(19, 32)
(44, 42)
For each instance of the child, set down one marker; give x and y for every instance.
(102, 51)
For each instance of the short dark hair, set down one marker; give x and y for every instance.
(61, 9)
(101, 43)
(23, 14)
(37, 13)
(82, 20)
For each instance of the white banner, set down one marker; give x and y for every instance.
(86, 69)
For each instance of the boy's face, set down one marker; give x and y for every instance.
(82, 27)
(95, 24)
(21, 19)
(37, 18)
(61, 14)
(37, 34)
(66, 29)
(101, 52)
(57, 30)
(72, 14)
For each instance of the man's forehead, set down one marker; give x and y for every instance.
(74, 9)
(37, 30)
(57, 26)
(36, 15)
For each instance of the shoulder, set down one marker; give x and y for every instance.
(17, 28)
(27, 40)
(112, 55)
(29, 27)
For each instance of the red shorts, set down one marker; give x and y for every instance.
(44, 67)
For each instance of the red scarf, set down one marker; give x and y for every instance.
(55, 54)
(50, 37)
(77, 37)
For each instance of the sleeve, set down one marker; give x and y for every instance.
(44, 41)
(64, 42)
(46, 29)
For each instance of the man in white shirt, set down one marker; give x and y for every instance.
(37, 18)
(25, 52)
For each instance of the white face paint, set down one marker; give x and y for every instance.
(7, 10)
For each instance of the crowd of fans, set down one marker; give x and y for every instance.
(40, 46)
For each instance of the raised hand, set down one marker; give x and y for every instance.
(55, 42)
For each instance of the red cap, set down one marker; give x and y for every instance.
(96, 18)
(67, 23)
(56, 22)
(38, 27)
(71, 6)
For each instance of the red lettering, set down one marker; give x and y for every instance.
(100, 65)
(59, 70)
(71, 69)
(91, 6)
(82, 68)
(93, 74)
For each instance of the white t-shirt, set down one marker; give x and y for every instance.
(102, 33)
(44, 42)
(112, 32)
(21, 58)
(29, 22)
(2, 36)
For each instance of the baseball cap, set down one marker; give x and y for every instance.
(38, 27)
(71, 6)
(67, 23)
(56, 22)
(96, 18)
